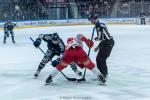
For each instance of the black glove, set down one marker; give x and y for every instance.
(37, 43)
(55, 62)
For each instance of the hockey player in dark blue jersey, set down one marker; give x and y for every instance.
(8, 29)
(55, 47)
(105, 46)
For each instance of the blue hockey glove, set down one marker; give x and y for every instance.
(37, 43)
(55, 62)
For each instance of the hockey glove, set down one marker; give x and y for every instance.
(55, 62)
(89, 43)
(37, 43)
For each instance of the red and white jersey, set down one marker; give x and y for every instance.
(75, 42)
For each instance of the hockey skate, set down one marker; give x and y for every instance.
(101, 78)
(105, 76)
(36, 73)
(4, 42)
(48, 80)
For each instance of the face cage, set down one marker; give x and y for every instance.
(56, 41)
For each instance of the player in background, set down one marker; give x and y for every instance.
(8, 29)
(56, 47)
(74, 53)
(142, 18)
(105, 46)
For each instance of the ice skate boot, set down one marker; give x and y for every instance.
(48, 80)
(101, 78)
(36, 73)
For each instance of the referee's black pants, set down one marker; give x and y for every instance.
(105, 48)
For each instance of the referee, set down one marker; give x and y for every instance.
(105, 46)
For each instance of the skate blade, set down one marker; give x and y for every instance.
(103, 84)
(35, 77)
(47, 84)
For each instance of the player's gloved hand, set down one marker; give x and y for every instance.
(89, 43)
(55, 62)
(37, 43)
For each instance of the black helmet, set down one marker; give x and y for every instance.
(92, 16)
(55, 38)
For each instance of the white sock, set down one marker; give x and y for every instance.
(95, 71)
(54, 72)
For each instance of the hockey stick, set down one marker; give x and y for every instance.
(83, 78)
(69, 79)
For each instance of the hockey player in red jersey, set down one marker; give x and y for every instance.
(74, 53)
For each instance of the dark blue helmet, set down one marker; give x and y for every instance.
(92, 16)
(55, 38)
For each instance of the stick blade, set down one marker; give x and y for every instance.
(71, 79)
(80, 80)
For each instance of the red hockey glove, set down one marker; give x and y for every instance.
(89, 43)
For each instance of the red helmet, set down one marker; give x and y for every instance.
(69, 40)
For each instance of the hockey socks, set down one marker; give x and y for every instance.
(53, 74)
(97, 73)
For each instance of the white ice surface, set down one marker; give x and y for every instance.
(128, 65)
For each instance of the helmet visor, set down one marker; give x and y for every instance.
(55, 40)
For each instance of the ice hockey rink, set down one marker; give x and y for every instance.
(128, 65)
